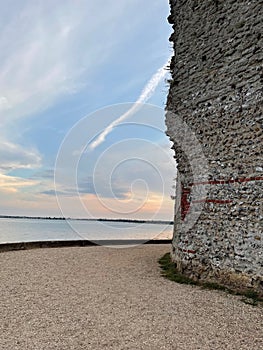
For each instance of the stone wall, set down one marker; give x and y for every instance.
(215, 120)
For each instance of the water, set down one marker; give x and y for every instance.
(32, 230)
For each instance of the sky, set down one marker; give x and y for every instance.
(83, 86)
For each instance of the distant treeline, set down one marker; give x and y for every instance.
(100, 219)
(31, 217)
(138, 221)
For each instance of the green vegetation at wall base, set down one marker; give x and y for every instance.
(170, 272)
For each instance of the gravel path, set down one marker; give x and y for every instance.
(102, 298)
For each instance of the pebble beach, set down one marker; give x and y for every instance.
(111, 298)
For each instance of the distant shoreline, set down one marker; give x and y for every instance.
(158, 222)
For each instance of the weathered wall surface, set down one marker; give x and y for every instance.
(216, 88)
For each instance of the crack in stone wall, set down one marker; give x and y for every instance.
(216, 89)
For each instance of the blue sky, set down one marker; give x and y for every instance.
(66, 61)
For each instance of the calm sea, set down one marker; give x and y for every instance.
(31, 230)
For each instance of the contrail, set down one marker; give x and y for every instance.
(145, 95)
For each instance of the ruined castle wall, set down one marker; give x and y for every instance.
(216, 89)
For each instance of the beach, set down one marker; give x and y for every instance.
(111, 298)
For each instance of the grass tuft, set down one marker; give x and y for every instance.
(170, 272)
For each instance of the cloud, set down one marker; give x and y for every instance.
(11, 184)
(47, 174)
(49, 50)
(36, 63)
(14, 156)
(4, 104)
(151, 86)
(145, 95)
(123, 181)
(53, 193)
(16, 164)
(124, 166)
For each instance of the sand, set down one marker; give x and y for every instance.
(102, 298)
